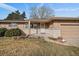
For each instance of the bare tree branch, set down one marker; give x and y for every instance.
(41, 12)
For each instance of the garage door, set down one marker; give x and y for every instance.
(70, 31)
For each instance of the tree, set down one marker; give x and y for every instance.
(23, 15)
(33, 13)
(41, 12)
(16, 16)
(17, 12)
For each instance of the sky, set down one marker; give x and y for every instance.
(60, 9)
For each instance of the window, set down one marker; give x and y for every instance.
(13, 25)
(34, 25)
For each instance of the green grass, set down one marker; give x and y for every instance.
(28, 47)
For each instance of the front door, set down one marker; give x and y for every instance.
(42, 25)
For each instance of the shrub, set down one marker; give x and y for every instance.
(13, 32)
(2, 31)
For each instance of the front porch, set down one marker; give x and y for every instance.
(42, 29)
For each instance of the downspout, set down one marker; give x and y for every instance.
(29, 27)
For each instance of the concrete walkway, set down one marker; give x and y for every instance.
(68, 42)
(72, 42)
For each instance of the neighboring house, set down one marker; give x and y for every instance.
(65, 27)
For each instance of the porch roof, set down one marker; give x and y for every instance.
(39, 20)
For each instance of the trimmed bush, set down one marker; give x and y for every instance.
(13, 32)
(2, 31)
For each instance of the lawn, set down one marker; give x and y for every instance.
(35, 47)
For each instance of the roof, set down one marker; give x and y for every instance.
(12, 21)
(64, 18)
(43, 20)
(32, 20)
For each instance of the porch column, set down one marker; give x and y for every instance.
(40, 25)
(29, 27)
(40, 28)
(44, 25)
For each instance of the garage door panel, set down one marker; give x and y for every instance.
(70, 32)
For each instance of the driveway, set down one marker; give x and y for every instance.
(72, 42)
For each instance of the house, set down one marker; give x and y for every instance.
(65, 27)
